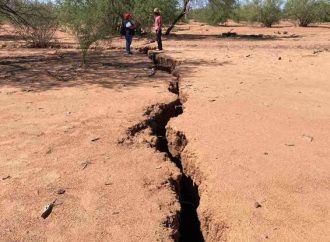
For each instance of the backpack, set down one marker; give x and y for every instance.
(123, 28)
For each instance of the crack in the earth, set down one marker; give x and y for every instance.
(159, 116)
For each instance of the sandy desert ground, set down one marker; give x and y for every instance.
(237, 149)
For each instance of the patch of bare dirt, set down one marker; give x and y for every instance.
(256, 122)
(59, 130)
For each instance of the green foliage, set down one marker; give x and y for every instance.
(248, 12)
(143, 11)
(270, 12)
(308, 11)
(267, 12)
(216, 11)
(2, 18)
(34, 21)
(325, 11)
(89, 20)
(200, 15)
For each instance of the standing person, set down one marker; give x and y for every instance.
(158, 28)
(128, 30)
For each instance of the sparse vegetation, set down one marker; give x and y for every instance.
(270, 12)
(89, 21)
(143, 11)
(308, 11)
(267, 12)
(215, 12)
(34, 21)
(41, 25)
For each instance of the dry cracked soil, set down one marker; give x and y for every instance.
(227, 141)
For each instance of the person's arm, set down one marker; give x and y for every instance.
(130, 25)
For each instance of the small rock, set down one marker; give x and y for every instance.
(159, 167)
(49, 151)
(60, 191)
(257, 205)
(289, 145)
(308, 138)
(95, 139)
(266, 153)
(280, 58)
(48, 210)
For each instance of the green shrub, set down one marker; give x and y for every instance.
(143, 11)
(89, 20)
(215, 12)
(270, 12)
(34, 21)
(248, 12)
(267, 12)
(325, 11)
(308, 11)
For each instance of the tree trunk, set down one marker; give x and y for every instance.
(177, 19)
(84, 57)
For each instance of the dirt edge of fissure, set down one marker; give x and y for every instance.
(156, 132)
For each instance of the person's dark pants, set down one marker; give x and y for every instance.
(129, 39)
(159, 39)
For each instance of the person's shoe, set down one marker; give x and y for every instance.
(130, 53)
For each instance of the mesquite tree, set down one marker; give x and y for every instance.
(183, 12)
(308, 11)
(267, 12)
(12, 11)
(34, 21)
(270, 12)
(89, 20)
(218, 10)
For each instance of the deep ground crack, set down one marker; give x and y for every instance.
(158, 118)
(188, 192)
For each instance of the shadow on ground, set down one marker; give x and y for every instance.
(246, 37)
(44, 72)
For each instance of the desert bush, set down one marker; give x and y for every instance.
(34, 21)
(270, 12)
(249, 12)
(308, 11)
(41, 24)
(325, 11)
(215, 12)
(267, 12)
(143, 11)
(2, 19)
(89, 21)
(200, 15)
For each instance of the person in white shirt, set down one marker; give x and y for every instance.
(128, 31)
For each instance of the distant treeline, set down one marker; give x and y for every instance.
(92, 20)
(267, 12)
